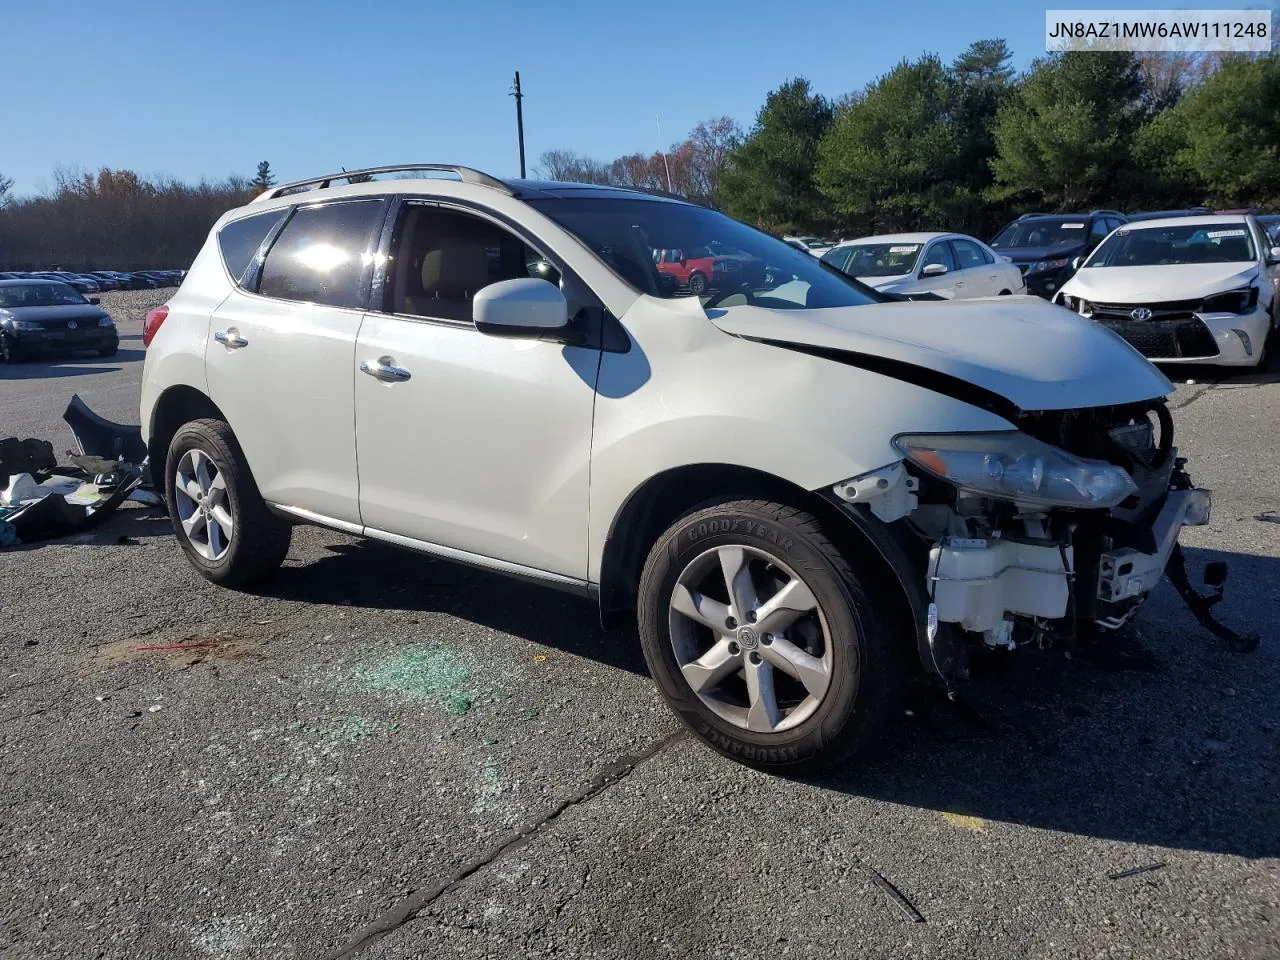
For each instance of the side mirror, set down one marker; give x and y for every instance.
(1273, 257)
(934, 270)
(95, 300)
(1075, 263)
(526, 308)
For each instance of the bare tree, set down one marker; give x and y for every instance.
(6, 188)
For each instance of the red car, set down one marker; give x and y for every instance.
(701, 269)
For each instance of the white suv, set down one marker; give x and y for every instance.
(801, 488)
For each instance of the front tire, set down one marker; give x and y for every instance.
(109, 351)
(219, 517)
(763, 637)
(10, 352)
(698, 285)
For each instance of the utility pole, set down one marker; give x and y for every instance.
(519, 120)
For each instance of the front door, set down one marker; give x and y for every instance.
(280, 357)
(944, 285)
(475, 443)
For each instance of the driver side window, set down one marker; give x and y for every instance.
(938, 252)
(442, 258)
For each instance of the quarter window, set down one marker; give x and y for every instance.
(442, 258)
(323, 254)
(239, 240)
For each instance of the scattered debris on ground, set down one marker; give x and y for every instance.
(41, 499)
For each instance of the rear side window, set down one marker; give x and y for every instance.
(323, 255)
(239, 240)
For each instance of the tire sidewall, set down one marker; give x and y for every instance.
(196, 436)
(701, 532)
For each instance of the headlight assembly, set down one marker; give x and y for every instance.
(1233, 301)
(1014, 466)
(104, 321)
(1041, 266)
(27, 325)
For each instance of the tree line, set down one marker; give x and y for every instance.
(116, 219)
(967, 145)
(929, 145)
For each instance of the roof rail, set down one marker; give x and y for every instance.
(1113, 213)
(1025, 215)
(465, 174)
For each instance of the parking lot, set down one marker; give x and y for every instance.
(382, 755)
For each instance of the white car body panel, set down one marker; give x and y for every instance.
(486, 448)
(1141, 285)
(1034, 354)
(297, 364)
(688, 393)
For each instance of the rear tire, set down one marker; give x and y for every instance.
(832, 673)
(219, 517)
(697, 285)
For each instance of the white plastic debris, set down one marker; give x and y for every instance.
(154, 708)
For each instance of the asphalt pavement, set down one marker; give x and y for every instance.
(385, 756)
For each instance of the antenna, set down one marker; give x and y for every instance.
(665, 164)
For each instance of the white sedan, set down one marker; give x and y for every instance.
(951, 266)
(1185, 289)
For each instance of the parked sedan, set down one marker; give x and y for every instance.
(1185, 290)
(47, 316)
(952, 266)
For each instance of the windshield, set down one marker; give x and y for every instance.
(1154, 246)
(39, 295)
(670, 249)
(1042, 232)
(883, 259)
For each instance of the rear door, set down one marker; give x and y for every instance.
(466, 441)
(281, 356)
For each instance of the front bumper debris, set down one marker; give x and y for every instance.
(983, 584)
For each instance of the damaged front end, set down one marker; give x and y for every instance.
(1043, 535)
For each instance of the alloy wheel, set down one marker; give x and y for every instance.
(750, 639)
(204, 509)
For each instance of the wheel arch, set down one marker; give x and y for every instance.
(177, 405)
(665, 497)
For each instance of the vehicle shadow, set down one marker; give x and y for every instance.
(1179, 752)
(1205, 373)
(381, 577)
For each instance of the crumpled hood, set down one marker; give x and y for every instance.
(1034, 354)
(1157, 284)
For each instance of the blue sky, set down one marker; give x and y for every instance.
(198, 89)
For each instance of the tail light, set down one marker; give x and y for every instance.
(151, 326)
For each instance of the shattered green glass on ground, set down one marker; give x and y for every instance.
(424, 671)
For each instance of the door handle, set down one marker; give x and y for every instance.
(231, 338)
(385, 369)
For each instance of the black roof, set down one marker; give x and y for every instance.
(531, 189)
